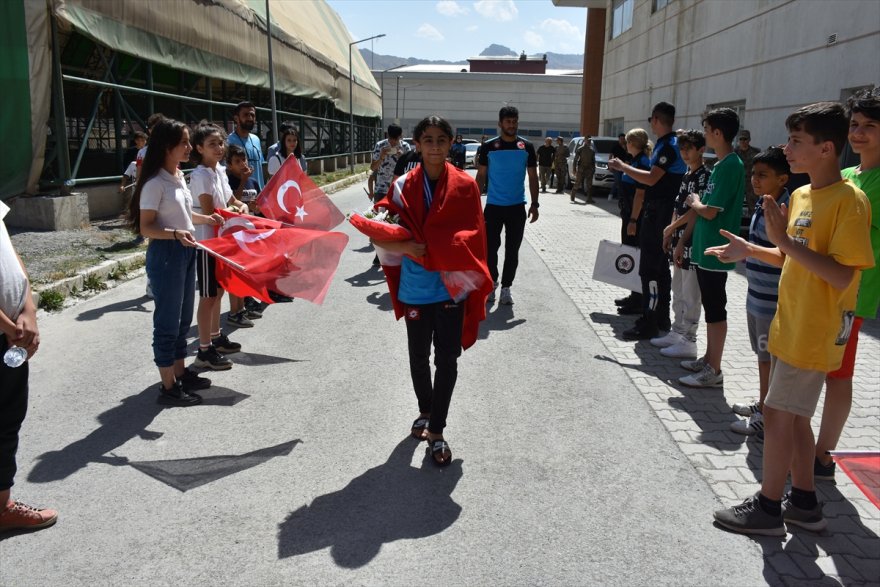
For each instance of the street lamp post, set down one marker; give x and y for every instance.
(397, 101)
(351, 102)
(403, 110)
(382, 85)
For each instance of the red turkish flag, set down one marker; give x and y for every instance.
(235, 222)
(295, 262)
(291, 197)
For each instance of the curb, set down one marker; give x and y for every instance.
(69, 285)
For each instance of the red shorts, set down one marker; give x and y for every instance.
(847, 367)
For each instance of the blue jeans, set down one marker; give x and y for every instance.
(171, 268)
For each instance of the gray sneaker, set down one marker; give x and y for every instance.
(239, 319)
(695, 365)
(505, 299)
(811, 520)
(749, 518)
(705, 378)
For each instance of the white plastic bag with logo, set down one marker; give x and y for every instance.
(618, 265)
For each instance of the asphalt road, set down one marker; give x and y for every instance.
(298, 469)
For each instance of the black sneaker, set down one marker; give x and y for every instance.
(643, 330)
(211, 359)
(177, 396)
(750, 518)
(224, 345)
(631, 309)
(623, 301)
(254, 308)
(193, 381)
(811, 520)
(279, 298)
(823, 472)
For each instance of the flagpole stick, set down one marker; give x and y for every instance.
(221, 257)
(213, 253)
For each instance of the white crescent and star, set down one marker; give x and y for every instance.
(243, 238)
(233, 223)
(282, 191)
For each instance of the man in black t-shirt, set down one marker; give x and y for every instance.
(545, 162)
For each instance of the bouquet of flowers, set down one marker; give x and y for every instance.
(381, 225)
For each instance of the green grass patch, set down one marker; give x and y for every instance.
(332, 176)
(119, 272)
(51, 300)
(94, 283)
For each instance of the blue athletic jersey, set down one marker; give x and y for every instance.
(667, 157)
(506, 164)
(420, 286)
(640, 162)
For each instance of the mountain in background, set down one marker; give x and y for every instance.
(378, 62)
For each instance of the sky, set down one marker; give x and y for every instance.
(457, 29)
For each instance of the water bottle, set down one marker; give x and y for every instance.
(15, 356)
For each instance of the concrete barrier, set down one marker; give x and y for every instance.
(316, 166)
(53, 212)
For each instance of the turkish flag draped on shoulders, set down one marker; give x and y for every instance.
(293, 198)
(269, 256)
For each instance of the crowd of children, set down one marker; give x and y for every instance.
(811, 263)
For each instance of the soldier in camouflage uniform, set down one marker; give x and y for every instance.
(585, 166)
(560, 165)
(747, 153)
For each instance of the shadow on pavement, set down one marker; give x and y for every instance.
(135, 305)
(370, 278)
(390, 502)
(382, 301)
(186, 474)
(118, 425)
(501, 318)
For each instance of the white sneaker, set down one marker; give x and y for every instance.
(683, 349)
(705, 378)
(754, 425)
(695, 365)
(747, 410)
(505, 299)
(668, 339)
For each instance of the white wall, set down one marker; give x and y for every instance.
(469, 100)
(772, 54)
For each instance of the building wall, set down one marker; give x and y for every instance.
(774, 55)
(546, 103)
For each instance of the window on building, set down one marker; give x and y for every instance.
(659, 5)
(621, 17)
(739, 106)
(847, 92)
(613, 127)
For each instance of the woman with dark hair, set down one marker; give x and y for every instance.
(161, 209)
(288, 146)
(442, 282)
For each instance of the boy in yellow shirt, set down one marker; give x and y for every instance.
(821, 245)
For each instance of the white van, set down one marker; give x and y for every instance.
(602, 177)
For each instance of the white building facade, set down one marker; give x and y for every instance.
(764, 58)
(549, 104)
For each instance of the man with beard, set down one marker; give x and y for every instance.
(245, 117)
(504, 162)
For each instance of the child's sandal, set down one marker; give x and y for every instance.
(419, 429)
(439, 448)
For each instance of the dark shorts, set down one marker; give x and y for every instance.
(713, 290)
(206, 273)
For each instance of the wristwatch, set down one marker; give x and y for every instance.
(535, 205)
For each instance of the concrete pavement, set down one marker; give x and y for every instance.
(576, 463)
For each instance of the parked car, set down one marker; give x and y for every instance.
(470, 153)
(602, 177)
